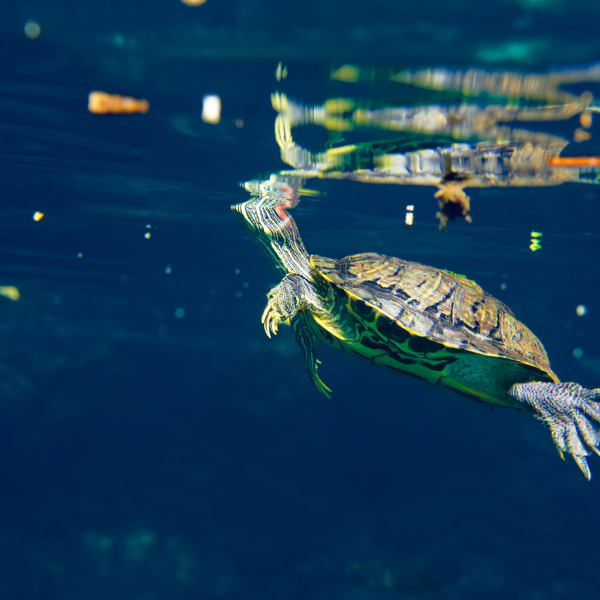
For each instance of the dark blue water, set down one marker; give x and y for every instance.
(154, 443)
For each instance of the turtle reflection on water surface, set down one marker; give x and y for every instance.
(410, 318)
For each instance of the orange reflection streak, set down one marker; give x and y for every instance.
(574, 161)
(101, 103)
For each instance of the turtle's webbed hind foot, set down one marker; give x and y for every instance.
(570, 411)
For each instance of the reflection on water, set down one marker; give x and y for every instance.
(501, 156)
(156, 442)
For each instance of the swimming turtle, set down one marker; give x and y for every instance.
(433, 324)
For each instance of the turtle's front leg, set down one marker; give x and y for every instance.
(306, 341)
(294, 293)
(571, 412)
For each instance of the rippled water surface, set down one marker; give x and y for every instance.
(155, 443)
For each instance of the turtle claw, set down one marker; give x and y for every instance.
(283, 302)
(318, 383)
(270, 319)
(570, 411)
(582, 464)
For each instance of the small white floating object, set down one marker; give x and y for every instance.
(211, 109)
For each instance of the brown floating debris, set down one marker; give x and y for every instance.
(453, 202)
(101, 103)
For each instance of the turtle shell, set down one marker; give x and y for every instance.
(441, 306)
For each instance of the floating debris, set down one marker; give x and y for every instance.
(453, 202)
(581, 310)
(32, 29)
(10, 292)
(101, 103)
(38, 216)
(211, 109)
(535, 244)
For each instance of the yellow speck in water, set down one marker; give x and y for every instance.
(581, 310)
(147, 235)
(10, 292)
(38, 216)
(535, 244)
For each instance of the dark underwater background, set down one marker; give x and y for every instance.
(154, 443)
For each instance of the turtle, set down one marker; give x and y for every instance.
(426, 322)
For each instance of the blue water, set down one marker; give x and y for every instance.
(155, 443)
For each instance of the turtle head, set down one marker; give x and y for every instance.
(266, 220)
